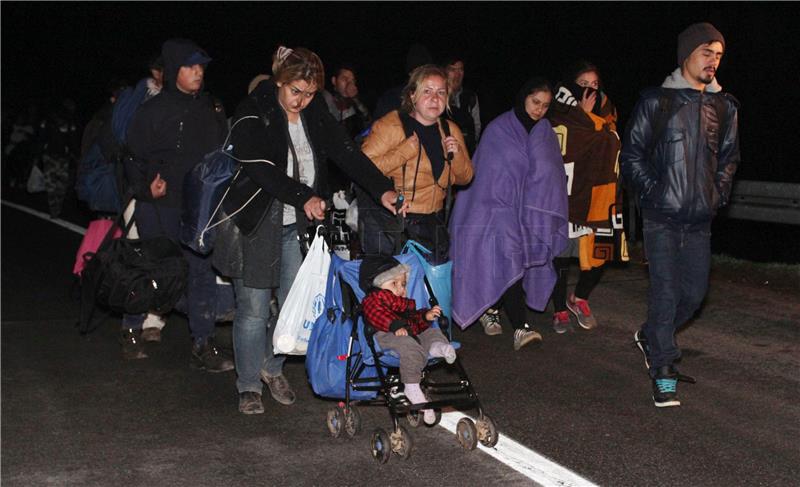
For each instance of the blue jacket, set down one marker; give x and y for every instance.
(686, 175)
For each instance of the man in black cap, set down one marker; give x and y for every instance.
(679, 155)
(167, 137)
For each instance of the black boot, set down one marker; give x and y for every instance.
(206, 356)
(132, 345)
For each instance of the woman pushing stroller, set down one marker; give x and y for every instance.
(400, 326)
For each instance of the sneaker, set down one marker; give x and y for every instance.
(132, 345)
(641, 341)
(250, 403)
(665, 385)
(524, 336)
(151, 335)
(206, 356)
(561, 321)
(279, 388)
(580, 308)
(491, 322)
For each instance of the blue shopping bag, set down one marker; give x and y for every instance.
(439, 276)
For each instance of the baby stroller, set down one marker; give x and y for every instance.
(345, 362)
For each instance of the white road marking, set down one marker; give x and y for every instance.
(536, 467)
(44, 216)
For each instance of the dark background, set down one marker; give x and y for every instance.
(56, 50)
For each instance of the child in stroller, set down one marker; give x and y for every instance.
(400, 325)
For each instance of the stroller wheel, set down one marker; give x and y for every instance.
(487, 432)
(335, 421)
(438, 414)
(402, 444)
(414, 418)
(381, 446)
(352, 421)
(467, 434)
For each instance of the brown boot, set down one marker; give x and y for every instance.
(132, 345)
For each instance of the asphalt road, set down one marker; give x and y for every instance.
(75, 413)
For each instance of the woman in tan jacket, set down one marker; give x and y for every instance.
(423, 156)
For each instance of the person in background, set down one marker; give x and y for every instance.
(464, 107)
(59, 148)
(511, 222)
(680, 152)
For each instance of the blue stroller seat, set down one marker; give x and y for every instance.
(369, 375)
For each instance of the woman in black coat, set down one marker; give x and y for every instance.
(290, 135)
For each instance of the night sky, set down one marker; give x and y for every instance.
(56, 50)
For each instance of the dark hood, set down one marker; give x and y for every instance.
(519, 102)
(175, 52)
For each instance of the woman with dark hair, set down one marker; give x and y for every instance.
(585, 120)
(424, 154)
(288, 135)
(512, 221)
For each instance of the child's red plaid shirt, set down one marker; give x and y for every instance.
(386, 312)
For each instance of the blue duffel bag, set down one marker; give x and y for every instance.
(204, 190)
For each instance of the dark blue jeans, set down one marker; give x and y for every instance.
(201, 289)
(679, 259)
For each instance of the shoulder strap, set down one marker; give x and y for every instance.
(448, 202)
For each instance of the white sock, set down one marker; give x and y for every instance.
(416, 396)
(445, 350)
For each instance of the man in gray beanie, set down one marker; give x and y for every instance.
(679, 155)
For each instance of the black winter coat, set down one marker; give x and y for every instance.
(266, 138)
(172, 132)
(690, 172)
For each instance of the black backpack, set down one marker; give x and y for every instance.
(131, 276)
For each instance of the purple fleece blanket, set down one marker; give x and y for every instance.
(511, 221)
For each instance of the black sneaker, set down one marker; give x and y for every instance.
(206, 356)
(250, 403)
(132, 345)
(641, 341)
(665, 387)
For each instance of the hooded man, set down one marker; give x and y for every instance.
(167, 137)
(679, 155)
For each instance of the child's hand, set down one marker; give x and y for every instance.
(433, 313)
(402, 332)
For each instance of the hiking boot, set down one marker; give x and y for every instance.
(580, 308)
(491, 322)
(561, 323)
(665, 387)
(524, 336)
(641, 341)
(132, 345)
(279, 388)
(206, 356)
(250, 403)
(151, 335)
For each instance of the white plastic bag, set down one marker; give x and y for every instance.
(35, 180)
(305, 301)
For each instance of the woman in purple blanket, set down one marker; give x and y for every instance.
(511, 222)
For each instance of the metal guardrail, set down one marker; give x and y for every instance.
(765, 201)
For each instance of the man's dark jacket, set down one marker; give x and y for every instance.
(687, 174)
(172, 132)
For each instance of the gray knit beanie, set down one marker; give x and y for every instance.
(695, 35)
